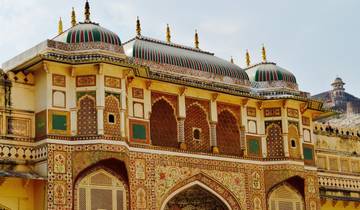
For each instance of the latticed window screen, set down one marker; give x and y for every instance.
(82, 199)
(101, 190)
(285, 198)
(120, 199)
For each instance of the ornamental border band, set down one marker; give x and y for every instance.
(88, 122)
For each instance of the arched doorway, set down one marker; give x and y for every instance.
(102, 185)
(101, 190)
(195, 196)
(285, 197)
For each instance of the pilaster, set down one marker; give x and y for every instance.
(100, 99)
(123, 108)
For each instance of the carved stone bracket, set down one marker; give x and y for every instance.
(214, 96)
(182, 90)
(303, 107)
(148, 84)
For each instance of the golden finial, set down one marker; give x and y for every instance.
(73, 17)
(60, 27)
(231, 59)
(87, 12)
(168, 36)
(263, 54)
(196, 39)
(247, 58)
(138, 26)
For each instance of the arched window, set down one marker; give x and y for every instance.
(87, 116)
(196, 120)
(285, 197)
(101, 190)
(228, 134)
(112, 115)
(163, 125)
(274, 141)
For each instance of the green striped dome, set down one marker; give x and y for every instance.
(267, 72)
(157, 51)
(87, 33)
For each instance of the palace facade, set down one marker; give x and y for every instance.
(89, 122)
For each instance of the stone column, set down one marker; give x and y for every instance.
(264, 146)
(213, 141)
(301, 135)
(72, 102)
(243, 126)
(181, 133)
(73, 120)
(100, 100)
(181, 119)
(100, 120)
(213, 122)
(261, 129)
(285, 131)
(123, 108)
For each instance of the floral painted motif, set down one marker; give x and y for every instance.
(59, 193)
(256, 183)
(166, 177)
(140, 199)
(140, 169)
(59, 162)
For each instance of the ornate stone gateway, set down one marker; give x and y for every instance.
(195, 198)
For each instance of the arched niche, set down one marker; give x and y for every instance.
(103, 185)
(285, 197)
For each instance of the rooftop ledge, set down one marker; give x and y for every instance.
(51, 45)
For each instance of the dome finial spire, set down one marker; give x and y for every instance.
(247, 58)
(263, 53)
(138, 27)
(196, 41)
(231, 60)
(60, 26)
(87, 12)
(168, 36)
(73, 17)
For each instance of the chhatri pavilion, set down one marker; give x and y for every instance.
(90, 122)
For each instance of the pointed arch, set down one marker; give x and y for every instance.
(228, 134)
(165, 99)
(208, 184)
(196, 122)
(274, 141)
(163, 124)
(87, 116)
(103, 183)
(285, 196)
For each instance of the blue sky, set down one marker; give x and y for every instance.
(316, 40)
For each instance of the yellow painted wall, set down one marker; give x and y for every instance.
(17, 195)
(22, 97)
(339, 206)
